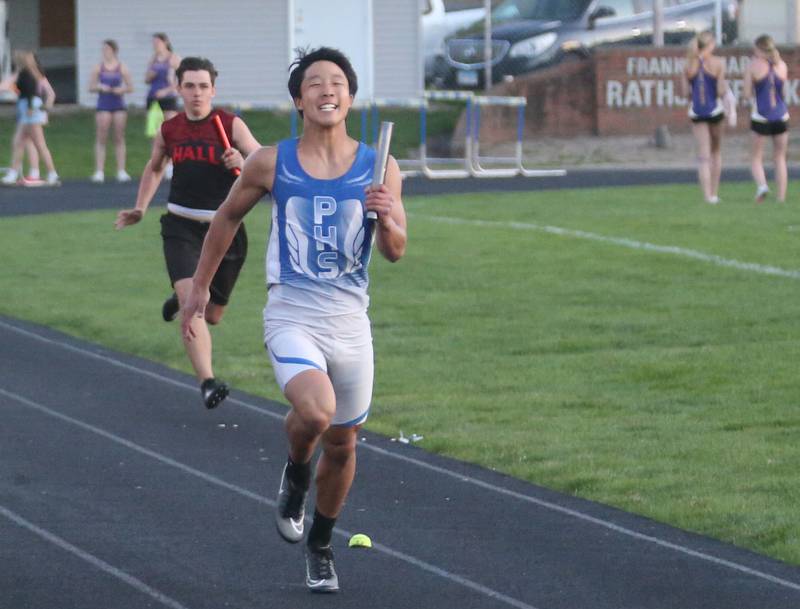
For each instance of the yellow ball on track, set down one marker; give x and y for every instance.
(359, 540)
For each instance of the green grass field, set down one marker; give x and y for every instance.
(649, 381)
(70, 137)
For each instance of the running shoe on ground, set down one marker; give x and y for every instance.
(122, 176)
(320, 573)
(10, 179)
(762, 193)
(53, 179)
(213, 392)
(98, 177)
(291, 510)
(170, 308)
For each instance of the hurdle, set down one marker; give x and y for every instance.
(426, 161)
(477, 170)
(472, 164)
(517, 167)
(408, 167)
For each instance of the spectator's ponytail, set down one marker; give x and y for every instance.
(698, 43)
(766, 45)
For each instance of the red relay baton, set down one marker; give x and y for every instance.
(223, 137)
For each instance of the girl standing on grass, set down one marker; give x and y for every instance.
(765, 81)
(47, 93)
(705, 76)
(163, 84)
(31, 117)
(111, 80)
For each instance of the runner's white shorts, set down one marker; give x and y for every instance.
(345, 355)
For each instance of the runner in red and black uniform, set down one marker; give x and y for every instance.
(201, 180)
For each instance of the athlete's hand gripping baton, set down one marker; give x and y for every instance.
(223, 137)
(381, 158)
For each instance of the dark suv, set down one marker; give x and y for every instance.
(530, 34)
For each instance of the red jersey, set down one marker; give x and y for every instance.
(199, 178)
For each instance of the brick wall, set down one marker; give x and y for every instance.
(619, 91)
(561, 102)
(638, 89)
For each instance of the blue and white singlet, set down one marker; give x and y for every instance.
(320, 241)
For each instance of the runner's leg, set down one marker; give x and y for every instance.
(199, 348)
(102, 121)
(780, 145)
(703, 139)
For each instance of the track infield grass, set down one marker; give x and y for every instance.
(70, 136)
(660, 384)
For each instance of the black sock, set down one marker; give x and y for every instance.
(299, 474)
(321, 531)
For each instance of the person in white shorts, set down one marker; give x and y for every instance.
(345, 356)
(316, 327)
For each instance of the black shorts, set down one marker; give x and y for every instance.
(772, 128)
(166, 103)
(711, 120)
(183, 242)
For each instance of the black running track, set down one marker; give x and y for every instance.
(82, 195)
(119, 490)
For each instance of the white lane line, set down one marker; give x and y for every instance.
(211, 479)
(91, 559)
(623, 242)
(444, 471)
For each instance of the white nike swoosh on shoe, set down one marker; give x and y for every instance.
(297, 525)
(316, 583)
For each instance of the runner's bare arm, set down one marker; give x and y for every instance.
(747, 89)
(387, 202)
(722, 82)
(255, 181)
(127, 81)
(685, 87)
(243, 139)
(151, 178)
(94, 80)
(242, 146)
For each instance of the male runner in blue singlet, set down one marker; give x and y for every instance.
(315, 323)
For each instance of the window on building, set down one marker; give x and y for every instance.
(56, 23)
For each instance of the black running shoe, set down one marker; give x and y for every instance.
(169, 311)
(213, 392)
(320, 574)
(291, 510)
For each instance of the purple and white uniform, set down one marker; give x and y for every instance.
(160, 80)
(107, 101)
(705, 102)
(770, 107)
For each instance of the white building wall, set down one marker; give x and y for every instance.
(345, 25)
(398, 63)
(250, 43)
(247, 41)
(23, 24)
(778, 18)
